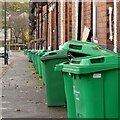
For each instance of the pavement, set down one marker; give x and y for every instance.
(23, 94)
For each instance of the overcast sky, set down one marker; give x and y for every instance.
(15, 0)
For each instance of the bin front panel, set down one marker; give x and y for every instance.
(36, 62)
(89, 98)
(55, 92)
(112, 93)
(43, 73)
(68, 83)
(41, 66)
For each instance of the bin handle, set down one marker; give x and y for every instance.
(52, 53)
(77, 47)
(70, 55)
(67, 62)
(97, 60)
(76, 61)
(44, 50)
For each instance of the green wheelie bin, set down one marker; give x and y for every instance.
(33, 57)
(68, 85)
(36, 61)
(29, 55)
(40, 64)
(84, 48)
(25, 52)
(54, 83)
(76, 49)
(95, 84)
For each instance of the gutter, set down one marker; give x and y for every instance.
(57, 44)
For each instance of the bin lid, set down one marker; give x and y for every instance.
(54, 55)
(86, 48)
(92, 64)
(32, 51)
(29, 50)
(38, 51)
(42, 52)
(59, 67)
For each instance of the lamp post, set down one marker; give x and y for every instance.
(5, 55)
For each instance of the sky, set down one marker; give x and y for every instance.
(15, 0)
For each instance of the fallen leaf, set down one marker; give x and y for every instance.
(37, 102)
(17, 110)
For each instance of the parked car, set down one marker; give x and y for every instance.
(2, 52)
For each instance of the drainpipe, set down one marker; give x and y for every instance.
(47, 27)
(57, 44)
(110, 23)
(95, 21)
(41, 27)
(76, 15)
(62, 24)
(115, 26)
(38, 32)
(79, 20)
(41, 22)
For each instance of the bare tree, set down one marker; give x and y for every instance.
(19, 25)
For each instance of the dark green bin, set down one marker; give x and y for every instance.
(95, 83)
(55, 93)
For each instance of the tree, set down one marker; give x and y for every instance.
(19, 24)
(14, 6)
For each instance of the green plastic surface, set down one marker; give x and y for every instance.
(95, 84)
(96, 94)
(88, 48)
(25, 52)
(68, 84)
(40, 64)
(29, 55)
(54, 55)
(92, 64)
(55, 92)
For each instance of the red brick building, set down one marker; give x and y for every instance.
(102, 18)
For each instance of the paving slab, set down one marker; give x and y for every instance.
(23, 94)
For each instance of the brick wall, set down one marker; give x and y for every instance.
(69, 13)
(59, 23)
(74, 27)
(65, 21)
(86, 16)
(44, 26)
(54, 28)
(102, 23)
(110, 44)
(69, 23)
